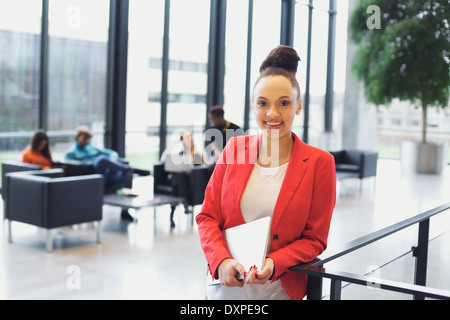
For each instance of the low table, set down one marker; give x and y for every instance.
(137, 202)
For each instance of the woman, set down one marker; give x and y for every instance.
(182, 158)
(272, 174)
(39, 151)
(189, 150)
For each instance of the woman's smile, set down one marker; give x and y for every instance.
(273, 125)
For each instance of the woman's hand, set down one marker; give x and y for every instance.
(261, 277)
(228, 269)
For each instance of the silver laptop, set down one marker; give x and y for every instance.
(177, 163)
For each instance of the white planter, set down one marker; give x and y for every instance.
(425, 158)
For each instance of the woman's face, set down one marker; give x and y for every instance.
(188, 142)
(275, 104)
(42, 145)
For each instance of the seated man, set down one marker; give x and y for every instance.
(219, 133)
(104, 161)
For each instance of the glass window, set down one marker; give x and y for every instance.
(301, 46)
(266, 36)
(402, 120)
(187, 78)
(77, 70)
(318, 61)
(319, 51)
(340, 69)
(323, 5)
(143, 117)
(318, 65)
(235, 61)
(19, 74)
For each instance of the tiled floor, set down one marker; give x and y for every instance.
(147, 260)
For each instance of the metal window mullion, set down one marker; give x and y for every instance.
(110, 75)
(287, 22)
(43, 72)
(121, 79)
(117, 76)
(216, 55)
(164, 79)
(329, 95)
(306, 101)
(249, 66)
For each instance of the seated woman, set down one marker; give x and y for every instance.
(38, 152)
(181, 158)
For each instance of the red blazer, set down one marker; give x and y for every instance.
(302, 213)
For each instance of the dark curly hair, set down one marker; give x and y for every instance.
(281, 61)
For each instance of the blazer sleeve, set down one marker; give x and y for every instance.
(313, 240)
(210, 220)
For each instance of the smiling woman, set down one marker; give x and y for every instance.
(294, 184)
(276, 103)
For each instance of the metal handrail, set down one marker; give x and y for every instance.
(380, 234)
(339, 276)
(316, 272)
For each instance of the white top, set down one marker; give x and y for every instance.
(175, 160)
(258, 201)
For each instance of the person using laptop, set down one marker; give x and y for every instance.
(271, 174)
(178, 162)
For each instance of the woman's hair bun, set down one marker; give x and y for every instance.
(282, 57)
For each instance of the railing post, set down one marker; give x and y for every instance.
(335, 289)
(421, 254)
(314, 288)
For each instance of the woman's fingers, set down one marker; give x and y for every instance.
(267, 271)
(230, 269)
(253, 277)
(261, 277)
(228, 272)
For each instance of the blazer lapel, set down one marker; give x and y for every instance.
(245, 159)
(294, 175)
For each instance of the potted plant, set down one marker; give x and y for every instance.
(405, 55)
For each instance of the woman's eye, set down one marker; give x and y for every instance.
(262, 103)
(284, 103)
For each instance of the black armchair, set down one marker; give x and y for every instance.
(198, 180)
(11, 166)
(79, 168)
(362, 163)
(49, 200)
(71, 168)
(355, 164)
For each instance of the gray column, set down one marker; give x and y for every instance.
(360, 117)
